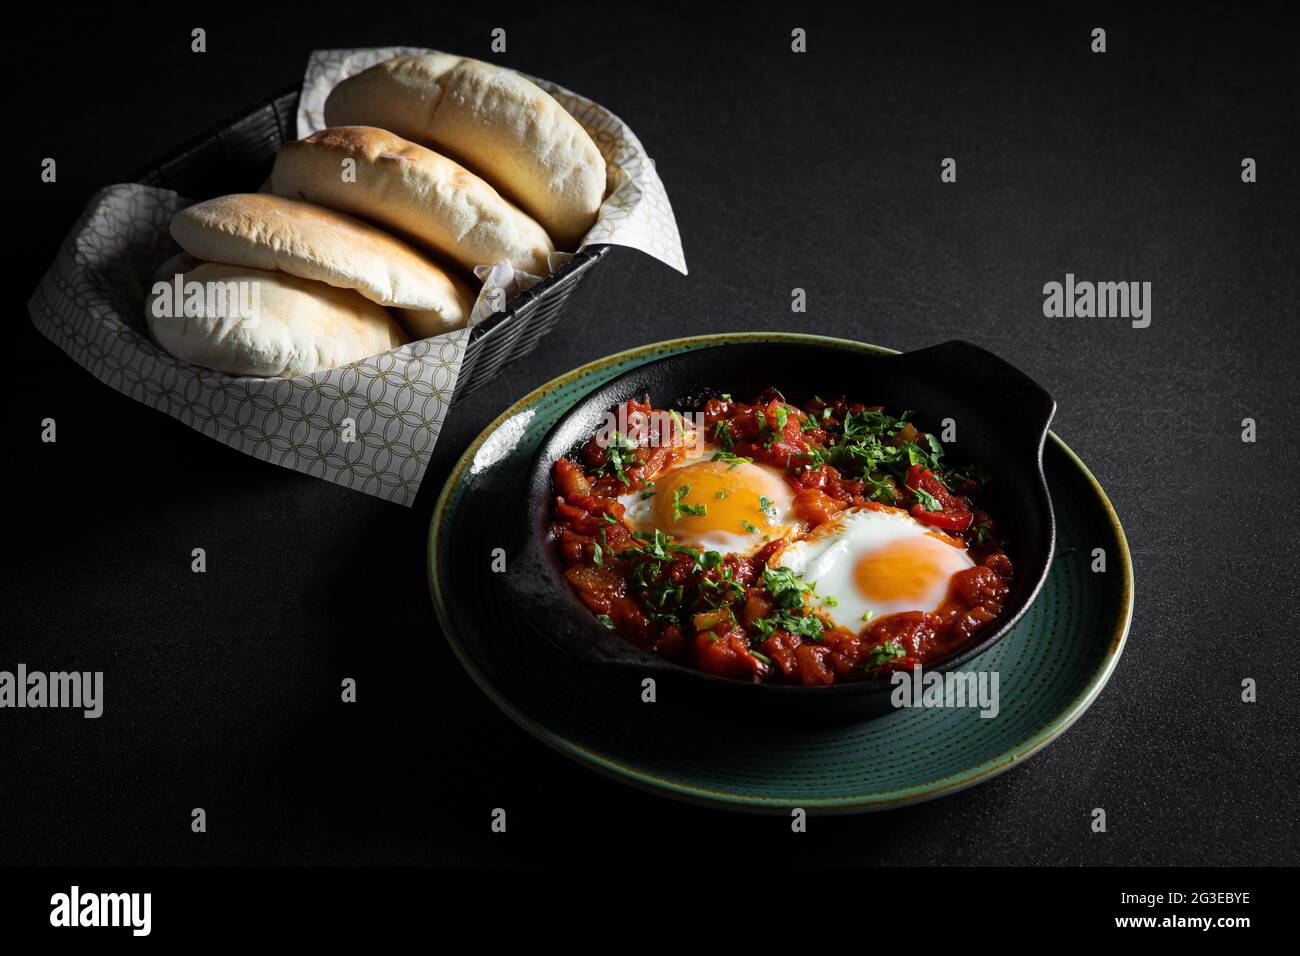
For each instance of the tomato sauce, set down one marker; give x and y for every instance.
(732, 615)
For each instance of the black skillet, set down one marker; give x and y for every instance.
(1001, 417)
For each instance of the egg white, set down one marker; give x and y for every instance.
(865, 564)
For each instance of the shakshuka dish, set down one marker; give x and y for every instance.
(815, 544)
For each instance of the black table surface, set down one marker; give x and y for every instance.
(817, 171)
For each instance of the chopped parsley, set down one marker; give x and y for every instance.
(929, 501)
(708, 560)
(776, 430)
(679, 509)
(813, 459)
(730, 459)
(879, 449)
(802, 624)
(660, 547)
(880, 489)
(678, 424)
(619, 452)
(788, 591)
(665, 599)
(724, 588)
(953, 477)
(883, 654)
(786, 587)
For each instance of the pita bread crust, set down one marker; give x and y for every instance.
(409, 188)
(273, 233)
(300, 327)
(495, 121)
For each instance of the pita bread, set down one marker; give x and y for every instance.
(246, 321)
(273, 233)
(498, 123)
(406, 187)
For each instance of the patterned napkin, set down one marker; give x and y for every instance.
(371, 425)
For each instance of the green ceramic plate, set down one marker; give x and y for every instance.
(1051, 666)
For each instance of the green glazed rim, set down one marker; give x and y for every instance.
(930, 790)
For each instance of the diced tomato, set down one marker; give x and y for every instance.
(948, 520)
(980, 586)
(757, 607)
(819, 480)
(953, 514)
(816, 507)
(728, 655)
(572, 545)
(570, 480)
(587, 514)
(814, 666)
(913, 630)
(848, 652)
(638, 417)
(596, 579)
(764, 554)
(1000, 564)
(671, 642)
(781, 647)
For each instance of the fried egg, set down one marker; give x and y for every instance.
(715, 505)
(866, 563)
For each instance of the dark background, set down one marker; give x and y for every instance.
(819, 171)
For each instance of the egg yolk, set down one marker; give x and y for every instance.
(909, 569)
(716, 496)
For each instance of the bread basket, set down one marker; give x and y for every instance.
(236, 156)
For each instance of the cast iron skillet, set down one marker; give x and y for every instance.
(1001, 418)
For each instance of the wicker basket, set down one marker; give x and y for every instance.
(236, 156)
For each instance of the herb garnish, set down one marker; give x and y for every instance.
(679, 509)
(619, 452)
(730, 459)
(883, 654)
(929, 501)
